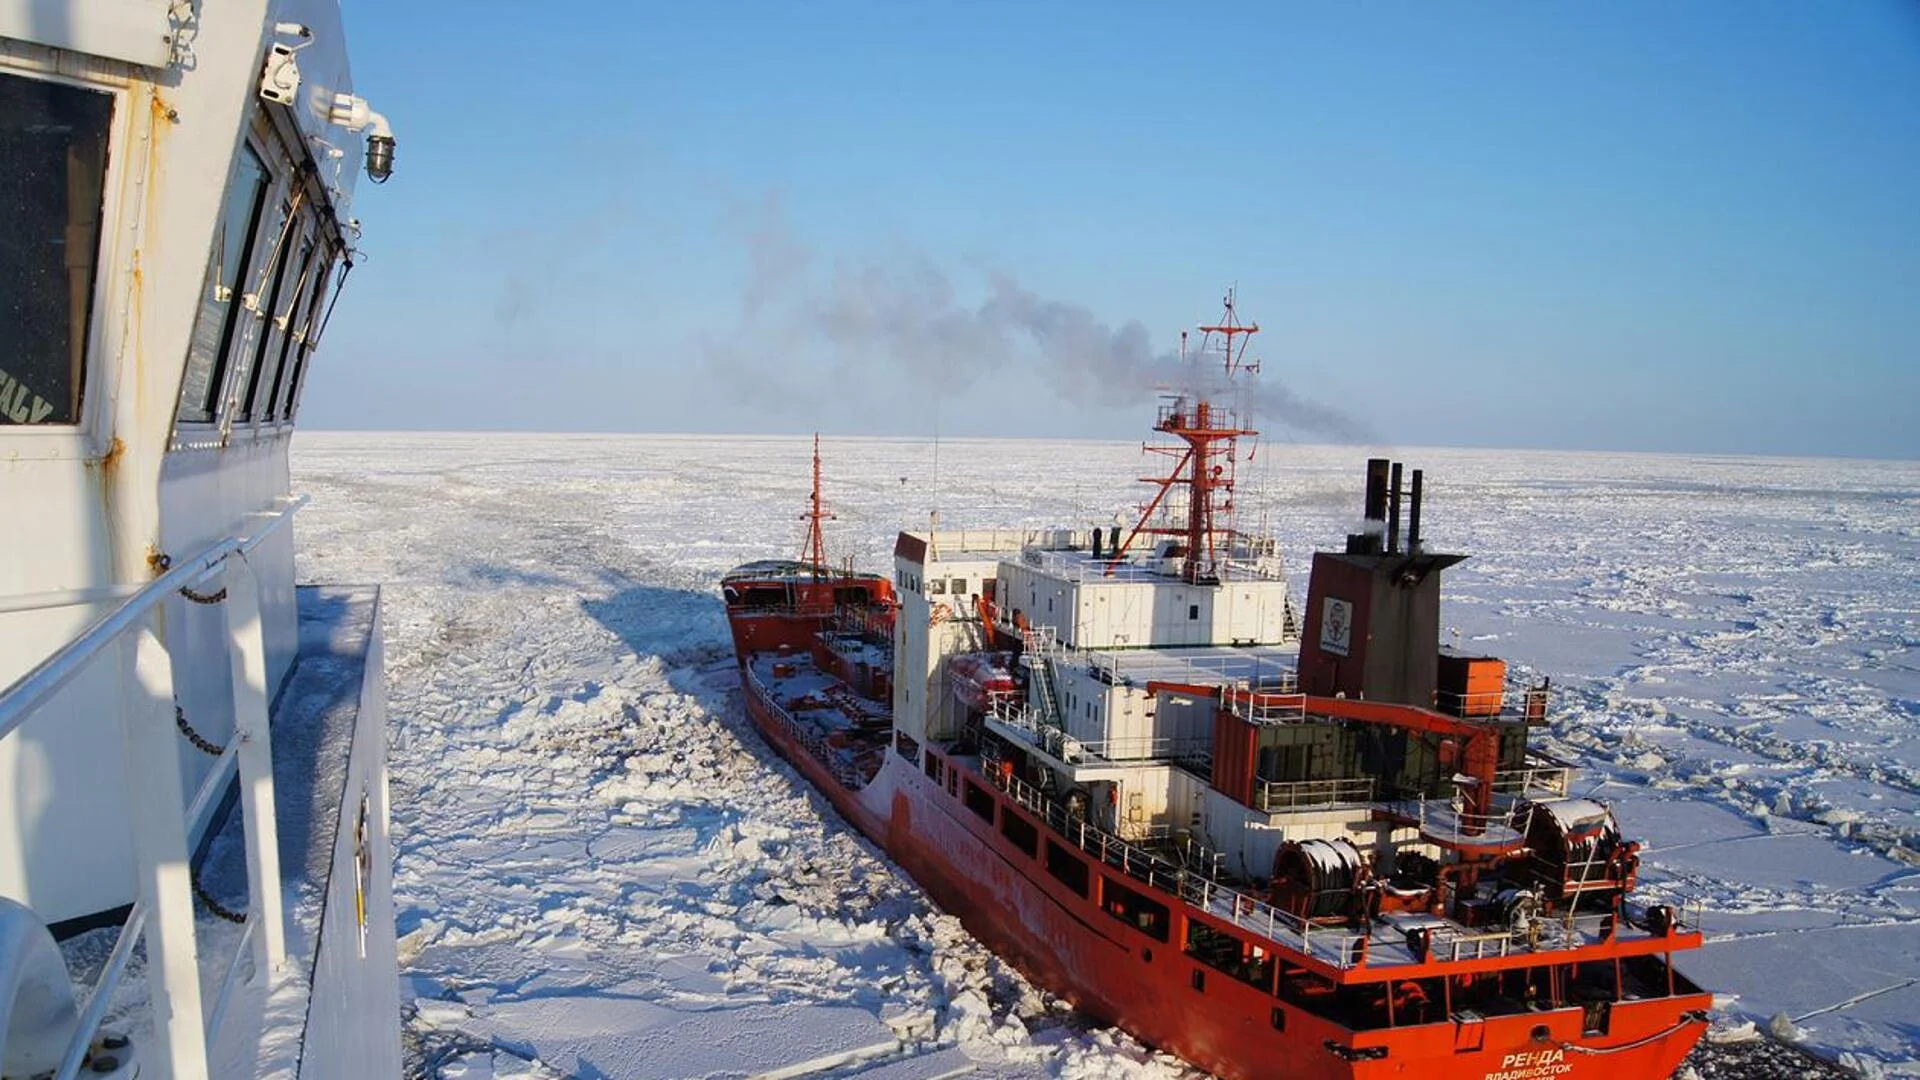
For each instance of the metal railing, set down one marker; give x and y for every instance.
(1237, 562)
(845, 772)
(1515, 701)
(1336, 946)
(1277, 705)
(1444, 820)
(162, 915)
(1273, 795)
(1536, 780)
(1054, 742)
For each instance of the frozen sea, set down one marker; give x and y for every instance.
(603, 873)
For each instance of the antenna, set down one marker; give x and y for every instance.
(1207, 461)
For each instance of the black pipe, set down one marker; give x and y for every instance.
(1393, 512)
(1113, 541)
(1096, 541)
(1376, 489)
(1413, 516)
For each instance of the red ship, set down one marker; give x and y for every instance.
(1123, 765)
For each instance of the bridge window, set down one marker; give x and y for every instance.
(277, 332)
(312, 321)
(53, 141)
(222, 294)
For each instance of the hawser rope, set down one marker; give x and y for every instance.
(1695, 1017)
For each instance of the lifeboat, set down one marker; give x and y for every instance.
(981, 680)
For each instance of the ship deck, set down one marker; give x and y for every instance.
(846, 732)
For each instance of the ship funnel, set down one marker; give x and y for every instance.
(1371, 539)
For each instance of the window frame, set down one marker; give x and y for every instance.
(333, 275)
(301, 237)
(87, 437)
(307, 219)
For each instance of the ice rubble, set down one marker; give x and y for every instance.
(602, 872)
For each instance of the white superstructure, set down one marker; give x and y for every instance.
(176, 218)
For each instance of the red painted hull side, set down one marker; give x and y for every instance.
(1119, 975)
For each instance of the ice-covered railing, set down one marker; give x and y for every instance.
(162, 915)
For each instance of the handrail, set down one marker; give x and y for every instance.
(22, 699)
(232, 977)
(1279, 795)
(30, 691)
(96, 1009)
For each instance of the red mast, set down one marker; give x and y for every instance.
(814, 551)
(1209, 435)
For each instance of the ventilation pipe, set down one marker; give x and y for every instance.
(1393, 512)
(1413, 516)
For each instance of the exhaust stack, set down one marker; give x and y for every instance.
(1413, 516)
(1393, 513)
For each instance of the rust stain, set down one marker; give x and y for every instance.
(109, 462)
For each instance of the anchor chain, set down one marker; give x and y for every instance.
(204, 598)
(199, 741)
(219, 910)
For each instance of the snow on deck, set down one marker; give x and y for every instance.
(582, 811)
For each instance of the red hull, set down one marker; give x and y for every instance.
(1117, 974)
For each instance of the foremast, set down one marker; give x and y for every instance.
(1206, 457)
(813, 551)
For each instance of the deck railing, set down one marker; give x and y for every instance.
(1274, 796)
(162, 914)
(847, 774)
(1195, 881)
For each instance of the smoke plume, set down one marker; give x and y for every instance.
(906, 313)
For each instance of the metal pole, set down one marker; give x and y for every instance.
(247, 653)
(160, 850)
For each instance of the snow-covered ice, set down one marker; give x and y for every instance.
(602, 872)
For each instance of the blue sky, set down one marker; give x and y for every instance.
(1613, 226)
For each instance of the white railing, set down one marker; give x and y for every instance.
(1516, 700)
(1444, 821)
(1020, 722)
(1537, 780)
(1272, 795)
(1282, 704)
(845, 772)
(1236, 562)
(1193, 882)
(162, 914)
